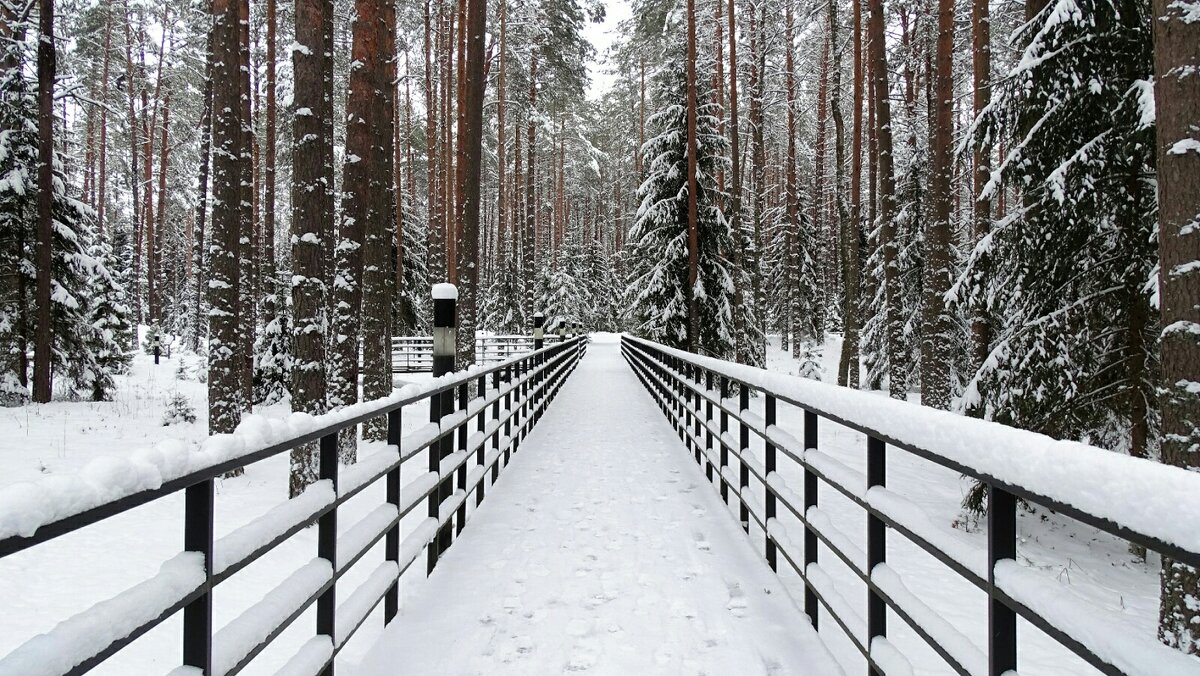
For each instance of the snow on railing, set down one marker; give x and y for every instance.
(1131, 498)
(478, 417)
(414, 354)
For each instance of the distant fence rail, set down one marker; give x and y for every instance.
(414, 354)
(477, 419)
(701, 396)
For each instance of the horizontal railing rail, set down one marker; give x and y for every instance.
(414, 354)
(701, 395)
(477, 420)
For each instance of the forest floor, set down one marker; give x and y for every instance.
(42, 586)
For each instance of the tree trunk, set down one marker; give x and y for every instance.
(43, 343)
(897, 385)
(981, 62)
(470, 150)
(224, 393)
(935, 334)
(199, 249)
(312, 211)
(819, 211)
(530, 248)
(377, 281)
(269, 155)
(501, 151)
(853, 259)
(102, 172)
(135, 179)
(693, 328)
(1177, 98)
(156, 253)
(791, 191)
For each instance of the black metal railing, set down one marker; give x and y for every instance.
(700, 396)
(414, 354)
(477, 420)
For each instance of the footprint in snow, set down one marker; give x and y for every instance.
(737, 600)
(701, 542)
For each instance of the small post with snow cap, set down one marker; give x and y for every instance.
(539, 331)
(445, 300)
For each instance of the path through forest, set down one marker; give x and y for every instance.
(601, 549)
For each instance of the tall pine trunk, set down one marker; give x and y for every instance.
(470, 143)
(935, 333)
(1177, 98)
(897, 385)
(43, 343)
(378, 284)
(981, 63)
(224, 394)
(312, 216)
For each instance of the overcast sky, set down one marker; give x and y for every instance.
(601, 35)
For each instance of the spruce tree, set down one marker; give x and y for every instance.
(657, 289)
(1065, 273)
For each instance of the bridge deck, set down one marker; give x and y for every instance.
(600, 549)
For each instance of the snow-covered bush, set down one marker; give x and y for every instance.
(809, 360)
(12, 393)
(179, 411)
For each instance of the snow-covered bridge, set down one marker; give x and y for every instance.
(656, 515)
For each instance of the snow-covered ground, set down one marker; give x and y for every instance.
(49, 583)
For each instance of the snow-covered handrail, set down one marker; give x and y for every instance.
(1135, 499)
(479, 416)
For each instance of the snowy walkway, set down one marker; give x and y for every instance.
(601, 549)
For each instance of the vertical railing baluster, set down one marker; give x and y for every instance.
(708, 418)
(743, 470)
(461, 474)
(697, 405)
(327, 544)
(724, 453)
(510, 414)
(768, 468)
(496, 417)
(876, 544)
(811, 606)
(1002, 545)
(198, 537)
(391, 602)
(481, 452)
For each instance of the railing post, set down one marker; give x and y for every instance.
(198, 537)
(811, 605)
(327, 544)
(391, 602)
(743, 470)
(768, 468)
(445, 301)
(876, 544)
(1002, 545)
